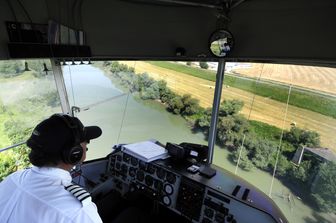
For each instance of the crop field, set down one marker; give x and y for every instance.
(315, 78)
(263, 109)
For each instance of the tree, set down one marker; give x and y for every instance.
(300, 137)
(230, 107)
(203, 65)
(7, 164)
(301, 173)
(262, 151)
(11, 68)
(190, 105)
(175, 105)
(244, 161)
(325, 187)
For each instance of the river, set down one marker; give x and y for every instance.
(125, 120)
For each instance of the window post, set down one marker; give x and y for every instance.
(60, 85)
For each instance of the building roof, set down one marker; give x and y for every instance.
(325, 153)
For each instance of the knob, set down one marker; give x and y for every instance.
(208, 212)
(166, 200)
(168, 189)
(229, 218)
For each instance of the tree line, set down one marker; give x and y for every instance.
(235, 133)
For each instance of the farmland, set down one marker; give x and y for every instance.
(263, 109)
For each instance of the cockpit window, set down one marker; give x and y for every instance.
(275, 129)
(28, 95)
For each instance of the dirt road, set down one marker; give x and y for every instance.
(263, 109)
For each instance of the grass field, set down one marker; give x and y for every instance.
(307, 100)
(264, 109)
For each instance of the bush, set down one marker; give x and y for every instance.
(244, 161)
(300, 137)
(10, 69)
(7, 164)
(324, 188)
(203, 65)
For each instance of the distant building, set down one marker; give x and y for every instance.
(323, 154)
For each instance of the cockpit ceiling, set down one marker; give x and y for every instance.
(216, 4)
(269, 30)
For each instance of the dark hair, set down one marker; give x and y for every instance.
(40, 158)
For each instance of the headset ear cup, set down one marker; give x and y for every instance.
(73, 155)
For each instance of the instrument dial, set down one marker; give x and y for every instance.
(166, 200)
(168, 189)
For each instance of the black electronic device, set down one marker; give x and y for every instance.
(185, 151)
(177, 152)
(196, 151)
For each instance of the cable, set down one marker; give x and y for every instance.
(25, 11)
(73, 94)
(122, 120)
(12, 10)
(248, 118)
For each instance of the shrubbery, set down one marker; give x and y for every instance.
(257, 143)
(203, 65)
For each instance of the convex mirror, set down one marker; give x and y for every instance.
(221, 43)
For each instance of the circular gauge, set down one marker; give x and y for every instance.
(149, 180)
(171, 178)
(140, 175)
(160, 173)
(124, 169)
(134, 161)
(166, 200)
(168, 189)
(131, 171)
(151, 169)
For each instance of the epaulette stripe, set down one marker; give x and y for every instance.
(69, 186)
(76, 190)
(84, 198)
(79, 193)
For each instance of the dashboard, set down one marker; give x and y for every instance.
(222, 198)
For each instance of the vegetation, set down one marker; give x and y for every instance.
(20, 115)
(203, 65)
(254, 142)
(324, 189)
(304, 99)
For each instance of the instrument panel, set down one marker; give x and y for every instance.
(192, 196)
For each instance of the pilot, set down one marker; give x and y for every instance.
(45, 192)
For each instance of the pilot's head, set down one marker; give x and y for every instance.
(60, 140)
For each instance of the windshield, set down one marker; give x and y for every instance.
(276, 122)
(276, 126)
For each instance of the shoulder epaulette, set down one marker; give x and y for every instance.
(80, 193)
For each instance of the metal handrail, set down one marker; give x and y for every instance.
(12, 146)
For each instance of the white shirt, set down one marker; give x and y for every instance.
(37, 195)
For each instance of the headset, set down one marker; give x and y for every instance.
(73, 154)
